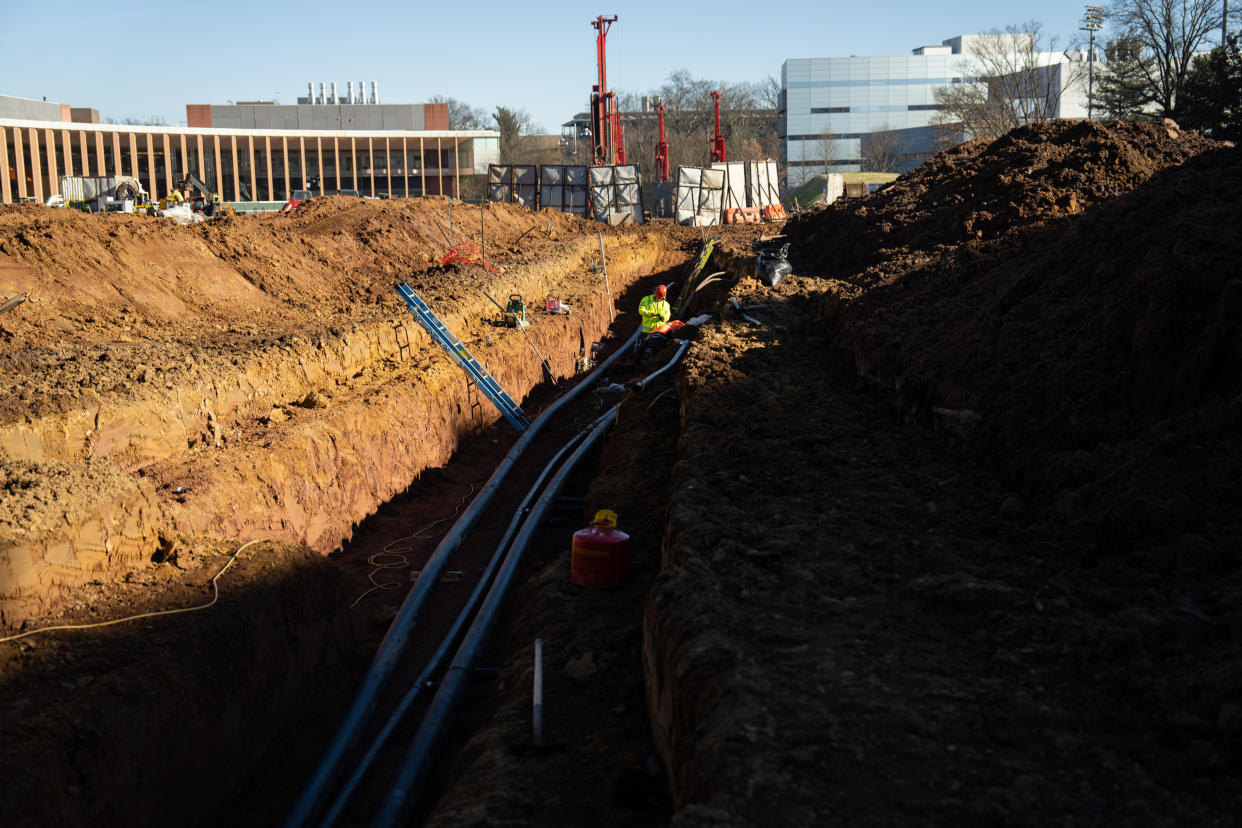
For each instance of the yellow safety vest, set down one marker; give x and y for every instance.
(655, 312)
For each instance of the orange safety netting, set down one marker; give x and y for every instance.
(467, 253)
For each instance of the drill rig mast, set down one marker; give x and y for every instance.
(605, 119)
(661, 148)
(718, 142)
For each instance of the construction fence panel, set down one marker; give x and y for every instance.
(700, 196)
(629, 198)
(773, 184)
(500, 183)
(526, 185)
(513, 184)
(577, 190)
(603, 187)
(687, 197)
(756, 174)
(711, 195)
(761, 185)
(552, 186)
(834, 187)
(564, 188)
(734, 193)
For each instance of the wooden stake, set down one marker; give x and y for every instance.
(604, 263)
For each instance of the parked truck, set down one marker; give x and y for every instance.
(103, 194)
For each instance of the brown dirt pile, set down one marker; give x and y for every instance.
(1028, 616)
(984, 189)
(115, 277)
(1095, 357)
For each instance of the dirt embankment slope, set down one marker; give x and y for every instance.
(168, 392)
(258, 376)
(1028, 616)
(1094, 357)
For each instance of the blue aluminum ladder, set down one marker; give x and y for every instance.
(445, 338)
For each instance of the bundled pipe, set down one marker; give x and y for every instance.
(395, 640)
(448, 696)
(437, 659)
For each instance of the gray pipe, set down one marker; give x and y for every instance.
(360, 772)
(448, 696)
(642, 383)
(398, 635)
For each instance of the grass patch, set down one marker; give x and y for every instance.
(812, 192)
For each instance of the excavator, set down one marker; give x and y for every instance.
(200, 197)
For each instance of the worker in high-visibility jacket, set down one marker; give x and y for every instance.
(654, 309)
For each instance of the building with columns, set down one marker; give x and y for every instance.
(39, 144)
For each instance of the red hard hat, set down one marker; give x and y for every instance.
(661, 291)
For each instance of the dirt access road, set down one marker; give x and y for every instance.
(951, 537)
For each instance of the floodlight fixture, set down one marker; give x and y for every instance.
(1092, 22)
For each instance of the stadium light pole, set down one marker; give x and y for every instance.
(1092, 21)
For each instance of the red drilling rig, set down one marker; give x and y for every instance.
(605, 119)
(718, 145)
(661, 149)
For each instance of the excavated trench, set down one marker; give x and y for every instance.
(129, 493)
(950, 536)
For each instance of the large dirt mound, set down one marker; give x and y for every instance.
(1094, 356)
(984, 189)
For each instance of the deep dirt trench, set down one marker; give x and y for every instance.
(950, 537)
(288, 427)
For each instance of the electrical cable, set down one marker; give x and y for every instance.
(661, 394)
(402, 561)
(215, 596)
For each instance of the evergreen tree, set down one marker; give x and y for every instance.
(1121, 84)
(1211, 98)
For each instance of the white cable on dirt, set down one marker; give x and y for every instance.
(215, 597)
(402, 561)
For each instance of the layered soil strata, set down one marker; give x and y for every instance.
(259, 377)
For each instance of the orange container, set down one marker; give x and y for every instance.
(600, 555)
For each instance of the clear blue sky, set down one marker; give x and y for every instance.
(140, 59)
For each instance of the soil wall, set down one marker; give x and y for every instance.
(258, 379)
(126, 725)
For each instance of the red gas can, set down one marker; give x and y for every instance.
(600, 555)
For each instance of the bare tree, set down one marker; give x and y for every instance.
(747, 121)
(1170, 32)
(1009, 83)
(881, 150)
(828, 149)
(769, 92)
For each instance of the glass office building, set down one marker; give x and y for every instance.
(832, 107)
